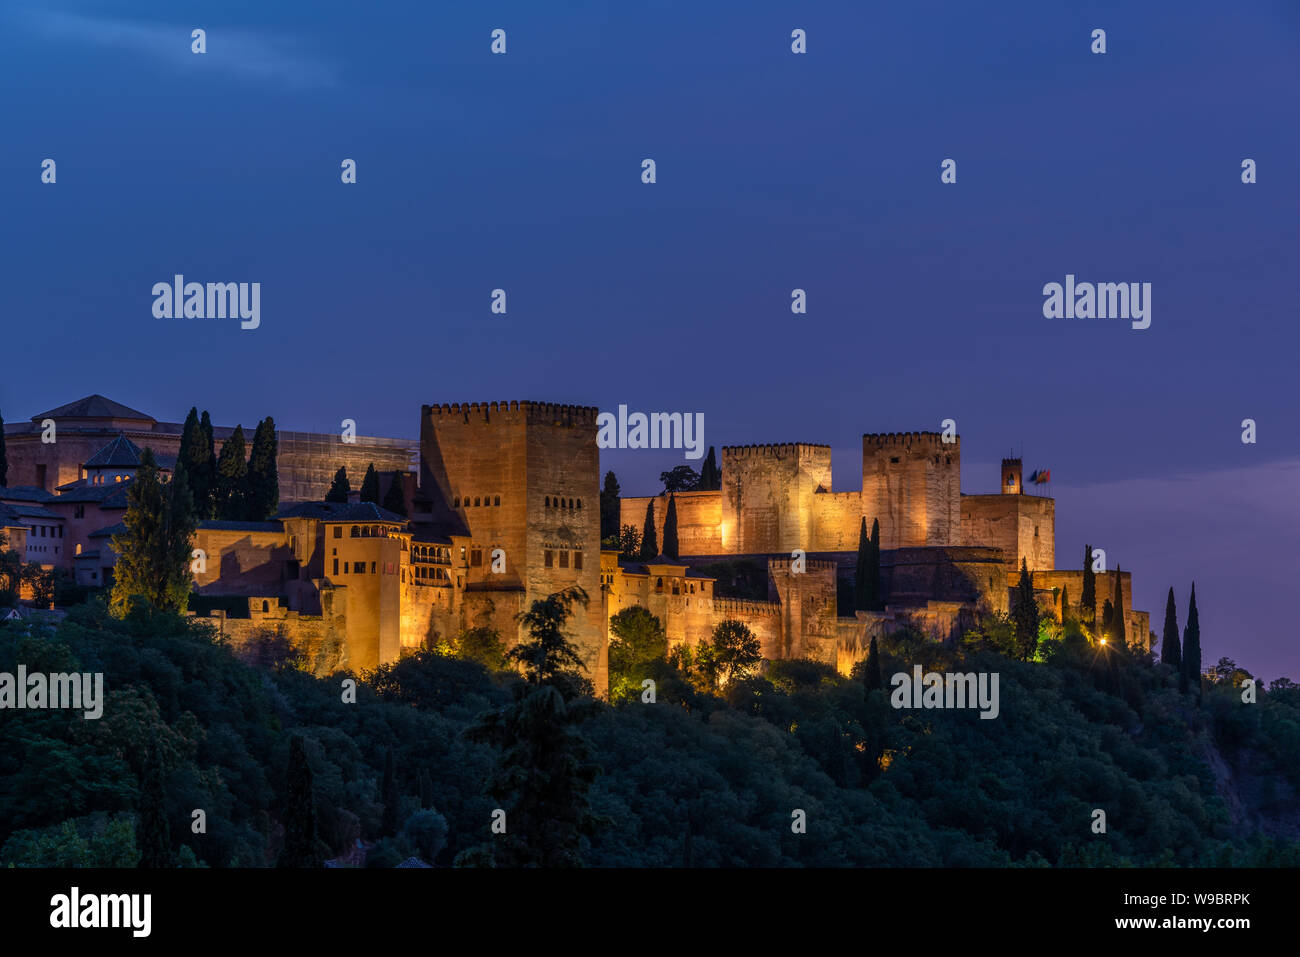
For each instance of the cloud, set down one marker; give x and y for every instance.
(238, 53)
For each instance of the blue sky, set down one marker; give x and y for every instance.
(775, 171)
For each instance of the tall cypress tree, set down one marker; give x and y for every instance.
(1170, 651)
(1192, 645)
(301, 844)
(191, 440)
(1024, 613)
(154, 551)
(340, 487)
(1065, 604)
(609, 507)
(649, 536)
(1107, 618)
(4, 456)
(203, 470)
(710, 476)
(875, 598)
(395, 498)
(861, 597)
(670, 528)
(152, 836)
(370, 485)
(1088, 600)
(231, 497)
(872, 677)
(1120, 626)
(263, 478)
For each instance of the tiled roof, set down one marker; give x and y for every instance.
(93, 407)
(32, 511)
(93, 553)
(25, 493)
(342, 512)
(220, 526)
(120, 452)
(108, 531)
(108, 496)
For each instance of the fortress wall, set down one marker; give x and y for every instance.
(837, 520)
(1137, 624)
(242, 563)
(699, 519)
(767, 493)
(808, 608)
(914, 576)
(763, 618)
(911, 482)
(1023, 526)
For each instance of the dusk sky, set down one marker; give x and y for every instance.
(775, 171)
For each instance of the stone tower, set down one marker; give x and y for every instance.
(767, 496)
(1013, 482)
(522, 477)
(911, 482)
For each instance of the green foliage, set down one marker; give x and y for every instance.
(151, 832)
(547, 656)
(682, 478)
(339, 488)
(1088, 600)
(732, 652)
(1192, 645)
(1024, 614)
(710, 474)
(263, 475)
(481, 644)
(301, 841)
(609, 507)
(370, 485)
(670, 528)
(230, 497)
(1170, 647)
(629, 543)
(426, 832)
(866, 574)
(1118, 625)
(391, 798)
(95, 840)
(637, 643)
(649, 535)
(153, 564)
(395, 497)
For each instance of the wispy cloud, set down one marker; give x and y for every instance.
(239, 53)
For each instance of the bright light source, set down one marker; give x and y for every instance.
(1103, 641)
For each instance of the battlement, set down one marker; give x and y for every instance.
(781, 566)
(791, 448)
(1006, 463)
(928, 439)
(745, 606)
(533, 413)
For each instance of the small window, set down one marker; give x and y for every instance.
(548, 558)
(338, 531)
(496, 500)
(336, 566)
(577, 560)
(79, 512)
(548, 501)
(266, 606)
(359, 568)
(893, 459)
(455, 502)
(564, 559)
(579, 503)
(476, 503)
(476, 557)
(372, 568)
(356, 532)
(659, 585)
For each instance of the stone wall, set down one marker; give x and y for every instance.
(911, 482)
(699, 519)
(1022, 526)
(767, 496)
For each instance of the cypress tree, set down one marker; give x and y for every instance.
(1170, 650)
(1192, 645)
(710, 476)
(231, 496)
(670, 528)
(340, 487)
(609, 507)
(154, 551)
(1065, 604)
(649, 537)
(152, 835)
(392, 800)
(395, 499)
(4, 456)
(1024, 613)
(875, 600)
(861, 599)
(1088, 600)
(370, 485)
(191, 442)
(1107, 618)
(301, 845)
(203, 470)
(1121, 636)
(872, 676)
(263, 479)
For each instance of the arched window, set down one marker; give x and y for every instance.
(659, 585)
(356, 532)
(365, 531)
(266, 606)
(579, 503)
(548, 501)
(455, 502)
(496, 500)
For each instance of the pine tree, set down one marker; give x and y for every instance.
(203, 470)
(370, 485)
(263, 477)
(548, 657)
(874, 680)
(1192, 645)
(231, 495)
(710, 476)
(649, 536)
(152, 836)
(4, 456)
(670, 529)
(301, 844)
(1118, 623)
(154, 551)
(392, 800)
(1088, 600)
(1170, 649)
(395, 498)
(340, 487)
(1024, 613)
(609, 507)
